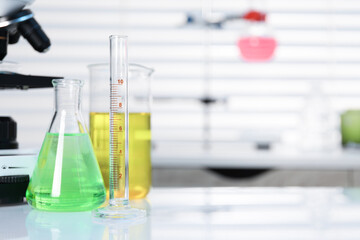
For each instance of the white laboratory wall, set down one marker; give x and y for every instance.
(318, 42)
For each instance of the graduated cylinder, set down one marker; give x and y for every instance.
(139, 100)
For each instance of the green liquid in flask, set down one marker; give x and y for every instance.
(67, 176)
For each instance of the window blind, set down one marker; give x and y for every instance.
(318, 45)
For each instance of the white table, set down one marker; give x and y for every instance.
(205, 213)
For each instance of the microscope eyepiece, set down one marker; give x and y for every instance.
(22, 23)
(14, 37)
(3, 43)
(31, 31)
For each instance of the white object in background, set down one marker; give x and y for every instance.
(17, 162)
(226, 155)
(318, 123)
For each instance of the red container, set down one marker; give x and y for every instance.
(256, 48)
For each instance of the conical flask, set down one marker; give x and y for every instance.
(67, 176)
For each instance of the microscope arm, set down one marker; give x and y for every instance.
(10, 80)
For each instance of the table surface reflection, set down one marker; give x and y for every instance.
(205, 213)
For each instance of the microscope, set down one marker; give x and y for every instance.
(16, 165)
(16, 22)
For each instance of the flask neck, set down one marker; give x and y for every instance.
(67, 118)
(67, 98)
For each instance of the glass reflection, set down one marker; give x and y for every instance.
(81, 225)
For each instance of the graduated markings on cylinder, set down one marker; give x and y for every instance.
(116, 128)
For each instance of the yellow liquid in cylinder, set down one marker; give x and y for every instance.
(139, 150)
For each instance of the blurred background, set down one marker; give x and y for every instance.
(245, 93)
